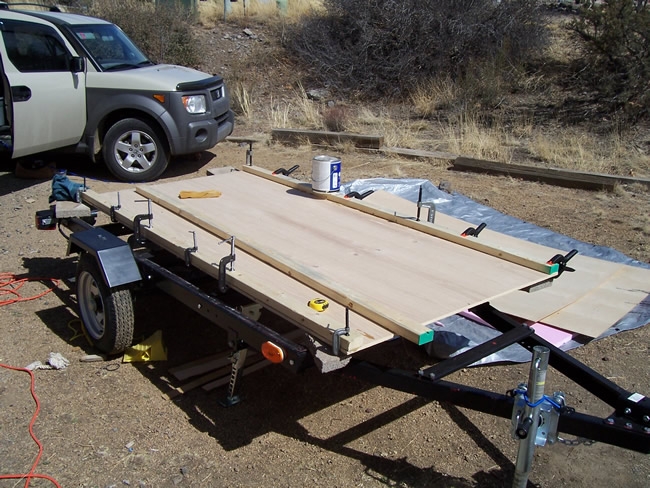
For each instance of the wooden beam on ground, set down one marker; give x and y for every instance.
(297, 136)
(553, 176)
(418, 154)
(244, 139)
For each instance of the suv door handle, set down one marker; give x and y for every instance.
(21, 93)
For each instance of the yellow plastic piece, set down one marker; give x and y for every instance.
(151, 349)
(318, 304)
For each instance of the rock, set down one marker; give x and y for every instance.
(317, 94)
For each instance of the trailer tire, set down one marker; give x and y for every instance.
(106, 313)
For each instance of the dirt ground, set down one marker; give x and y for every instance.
(108, 424)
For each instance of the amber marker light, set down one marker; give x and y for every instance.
(160, 97)
(272, 352)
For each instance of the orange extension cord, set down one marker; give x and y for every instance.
(29, 476)
(10, 285)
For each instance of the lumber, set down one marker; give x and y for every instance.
(180, 390)
(426, 227)
(587, 301)
(418, 153)
(367, 306)
(199, 366)
(247, 370)
(214, 361)
(261, 283)
(365, 263)
(297, 136)
(554, 176)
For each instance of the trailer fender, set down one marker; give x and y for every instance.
(114, 256)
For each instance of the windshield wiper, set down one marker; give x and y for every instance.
(121, 67)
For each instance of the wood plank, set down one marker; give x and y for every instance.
(554, 176)
(418, 153)
(203, 365)
(435, 230)
(298, 136)
(364, 305)
(607, 303)
(570, 303)
(254, 279)
(363, 262)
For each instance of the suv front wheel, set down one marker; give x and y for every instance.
(134, 151)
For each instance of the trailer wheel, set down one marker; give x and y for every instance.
(106, 314)
(135, 151)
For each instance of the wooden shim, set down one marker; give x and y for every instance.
(555, 176)
(296, 136)
(422, 226)
(254, 279)
(363, 305)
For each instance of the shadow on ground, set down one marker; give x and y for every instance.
(292, 397)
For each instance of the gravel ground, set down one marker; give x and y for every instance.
(109, 424)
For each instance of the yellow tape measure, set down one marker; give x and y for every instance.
(318, 304)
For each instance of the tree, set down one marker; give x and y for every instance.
(616, 34)
(386, 47)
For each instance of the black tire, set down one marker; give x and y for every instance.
(134, 151)
(106, 314)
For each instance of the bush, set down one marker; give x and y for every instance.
(617, 40)
(388, 47)
(163, 30)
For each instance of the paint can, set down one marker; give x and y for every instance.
(326, 174)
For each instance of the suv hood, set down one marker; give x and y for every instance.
(159, 77)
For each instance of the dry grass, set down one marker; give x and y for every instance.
(244, 11)
(242, 101)
(579, 150)
(437, 95)
(467, 136)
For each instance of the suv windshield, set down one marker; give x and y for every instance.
(109, 48)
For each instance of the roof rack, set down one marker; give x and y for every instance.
(5, 6)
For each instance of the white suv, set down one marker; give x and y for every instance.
(76, 82)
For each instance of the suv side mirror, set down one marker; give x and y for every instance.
(77, 64)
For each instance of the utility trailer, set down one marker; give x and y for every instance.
(308, 257)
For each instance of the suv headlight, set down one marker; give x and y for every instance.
(195, 104)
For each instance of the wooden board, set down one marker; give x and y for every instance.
(260, 282)
(366, 263)
(421, 226)
(587, 301)
(554, 176)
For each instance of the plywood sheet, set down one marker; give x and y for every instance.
(587, 301)
(398, 277)
(260, 282)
